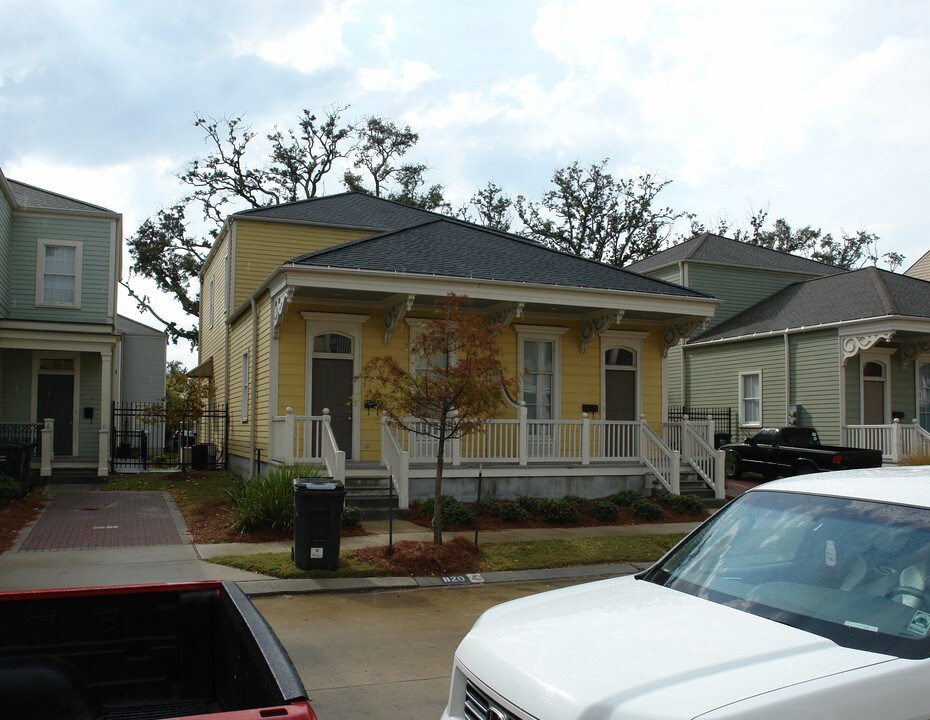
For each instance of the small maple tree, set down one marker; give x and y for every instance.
(451, 387)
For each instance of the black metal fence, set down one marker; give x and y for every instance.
(720, 415)
(151, 435)
(24, 433)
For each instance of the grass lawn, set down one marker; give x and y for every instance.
(495, 556)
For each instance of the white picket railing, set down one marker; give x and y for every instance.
(896, 440)
(664, 462)
(299, 439)
(397, 461)
(701, 456)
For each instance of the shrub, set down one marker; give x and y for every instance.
(509, 511)
(579, 503)
(625, 498)
(267, 501)
(9, 489)
(686, 504)
(646, 509)
(662, 496)
(351, 517)
(529, 503)
(557, 512)
(603, 510)
(916, 458)
(453, 512)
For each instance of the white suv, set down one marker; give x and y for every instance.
(803, 598)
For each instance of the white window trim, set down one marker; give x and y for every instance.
(742, 422)
(41, 245)
(542, 333)
(244, 384)
(417, 327)
(212, 301)
(632, 341)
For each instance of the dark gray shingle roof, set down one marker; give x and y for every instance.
(446, 247)
(29, 197)
(711, 248)
(352, 209)
(851, 295)
(125, 326)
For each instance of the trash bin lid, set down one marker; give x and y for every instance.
(317, 484)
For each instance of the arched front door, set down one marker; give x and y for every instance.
(874, 393)
(620, 387)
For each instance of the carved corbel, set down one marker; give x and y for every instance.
(855, 344)
(593, 326)
(504, 314)
(912, 350)
(279, 305)
(395, 309)
(673, 333)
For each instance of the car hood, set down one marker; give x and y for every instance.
(632, 649)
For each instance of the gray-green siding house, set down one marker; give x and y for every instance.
(796, 341)
(59, 267)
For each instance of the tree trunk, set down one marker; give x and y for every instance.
(437, 490)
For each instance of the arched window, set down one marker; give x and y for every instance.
(332, 344)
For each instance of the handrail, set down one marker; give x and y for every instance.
(701, 456)
(664, 462)
(397, 461)
(333, 457)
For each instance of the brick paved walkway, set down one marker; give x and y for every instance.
(85, 520)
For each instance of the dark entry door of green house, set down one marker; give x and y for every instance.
(56, 401)
(332, 388)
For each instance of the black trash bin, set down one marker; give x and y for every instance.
(203, 456)
(721, 439)
(318, 506)
(15, 462)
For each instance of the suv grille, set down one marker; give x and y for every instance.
(479, 706)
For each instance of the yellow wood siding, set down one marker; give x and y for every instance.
(263, 246)
(292, 363)
(240, 341)
(261, 373)
(213, 335)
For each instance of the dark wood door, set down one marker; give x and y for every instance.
(332, 388)
(620, 404)
(56, 401)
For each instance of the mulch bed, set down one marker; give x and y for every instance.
(16, 515)
(416, 559)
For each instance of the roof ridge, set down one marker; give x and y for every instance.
(59, 195)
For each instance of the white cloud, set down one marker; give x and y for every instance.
(312, 45)
(403, 77)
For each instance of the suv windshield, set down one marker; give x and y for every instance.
(848, 570)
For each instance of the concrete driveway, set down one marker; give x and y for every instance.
(384, 655)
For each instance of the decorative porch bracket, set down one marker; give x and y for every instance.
(596, 324)
(279, 305)
(673, 333)
(395, 309)
(855, 344)
(504, 314)
(912, 350)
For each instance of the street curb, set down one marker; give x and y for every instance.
(268, 588)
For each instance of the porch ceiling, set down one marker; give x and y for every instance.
(533, 305)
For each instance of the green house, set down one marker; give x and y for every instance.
(60, 346)
(800, 342)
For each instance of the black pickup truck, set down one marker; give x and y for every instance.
(143, 652)
(793, 451)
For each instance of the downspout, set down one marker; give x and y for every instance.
(787, 376)
(253, 388)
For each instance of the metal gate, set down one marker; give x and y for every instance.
(144, 438)
(720, 415)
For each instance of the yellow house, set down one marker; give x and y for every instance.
(296, 298)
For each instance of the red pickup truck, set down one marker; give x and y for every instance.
(144, 652)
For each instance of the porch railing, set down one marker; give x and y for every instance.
(701, 456)
(896, 440)
(297, 439)
(39, 435)
(664, 462)
(397, 462)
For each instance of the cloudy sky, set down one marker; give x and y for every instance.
(818, 110)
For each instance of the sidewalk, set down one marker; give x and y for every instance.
(71, 545)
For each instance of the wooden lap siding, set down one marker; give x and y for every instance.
(815, 381)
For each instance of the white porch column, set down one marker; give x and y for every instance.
(106, 409)
(289, 437)
(897, 451)
(48, 439)
(523, 439)
(585, 439)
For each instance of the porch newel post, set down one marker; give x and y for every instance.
(720, 474)
(48, 438)
(896, 451)
(685, 443)
(106, 395)
(585, 439)
(523, 439)
(289, 437)
(456, 444)
(675, 475)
